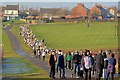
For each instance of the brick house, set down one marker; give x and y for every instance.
(79, 11)
(98, 11)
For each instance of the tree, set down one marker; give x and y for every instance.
(95, 14)
(23, 14)
(67, 10)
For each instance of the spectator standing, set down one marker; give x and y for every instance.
(92, 61)
(99, 65)
(87, 65)
(111, 67)
(105, 64)
(68, 58)
(94, 68)
(77, 61)
(52, 61)
(61, 65)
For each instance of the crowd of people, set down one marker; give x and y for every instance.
(39, 48)
(82, 64)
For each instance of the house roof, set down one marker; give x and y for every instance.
(49, 10)
(53, 11)
(12, 7)
(83, 6)
(102, 9)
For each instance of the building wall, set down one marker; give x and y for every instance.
(79, 11)
(112, 11)
(95, 10)
(9, 12)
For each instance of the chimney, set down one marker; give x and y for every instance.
(80, 4)
(98, 5)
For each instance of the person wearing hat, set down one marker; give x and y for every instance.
(52, 62)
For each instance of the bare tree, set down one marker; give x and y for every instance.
(67, 10)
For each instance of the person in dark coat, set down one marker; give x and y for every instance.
(94, 64)
(52, 61)
(99, 65)
(61, 65)
(77, 61)
(34, 51)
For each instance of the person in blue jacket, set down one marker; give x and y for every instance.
(111, 67)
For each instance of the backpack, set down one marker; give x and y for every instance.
(87, 62)
(92, 60)
(77, 58)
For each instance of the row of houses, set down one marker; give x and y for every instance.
(97, 11)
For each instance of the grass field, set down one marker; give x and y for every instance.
(100, 35)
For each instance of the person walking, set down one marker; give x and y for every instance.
(66, 62)
(77, 61)
(52, 62)
(94, 68)
(34, 51)
(111, 67)
(87, 65)
(68, 58)
(57, 57)
(39, 54)
(99, 65)
(92, 61)
(105, 64)
(43, 54)
(61, 65)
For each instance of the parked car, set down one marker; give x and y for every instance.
(48, 21)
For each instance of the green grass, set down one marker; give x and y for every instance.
(7, 48)
(9, 53)
(100, 35)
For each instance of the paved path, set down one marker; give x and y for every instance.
(17, 48)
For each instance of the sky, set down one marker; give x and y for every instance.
(60, 0)
(40, 4)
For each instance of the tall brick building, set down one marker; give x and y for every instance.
(99, 11)
(79, 11)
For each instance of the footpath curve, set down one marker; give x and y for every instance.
(17, 48)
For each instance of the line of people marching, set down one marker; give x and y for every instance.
(83, 64)
(39, 49)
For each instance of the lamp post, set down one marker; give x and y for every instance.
(116, 22)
